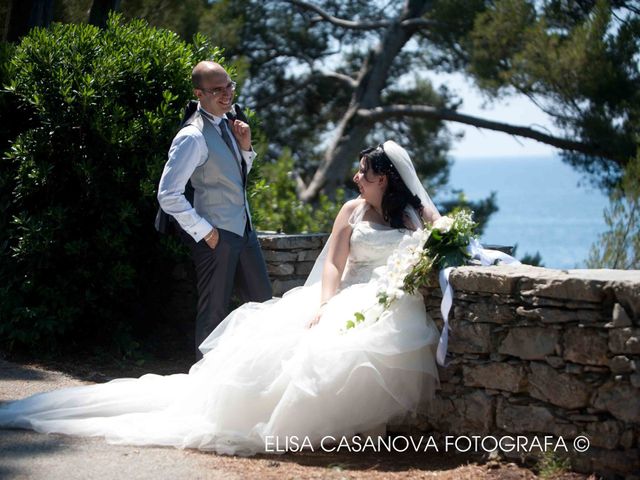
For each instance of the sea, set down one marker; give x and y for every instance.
(545, 206)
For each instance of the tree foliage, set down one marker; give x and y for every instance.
(79, 258)
(577, 60)
(619, 246)
(275, 205)
(334, 76)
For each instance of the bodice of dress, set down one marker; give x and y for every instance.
(370, 246)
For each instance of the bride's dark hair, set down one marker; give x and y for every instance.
(397, 196)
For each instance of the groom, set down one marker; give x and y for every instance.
(215, 153)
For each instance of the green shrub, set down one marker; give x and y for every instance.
(79, 257)
(275, 205)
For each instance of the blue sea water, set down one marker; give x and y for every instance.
(544, 206)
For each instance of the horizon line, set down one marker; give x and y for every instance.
(504, 156)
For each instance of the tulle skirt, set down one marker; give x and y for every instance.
(264, 378)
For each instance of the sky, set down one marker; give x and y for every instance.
(477, 142)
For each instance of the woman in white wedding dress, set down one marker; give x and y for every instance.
(287, 367)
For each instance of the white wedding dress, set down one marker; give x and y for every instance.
(264, 374)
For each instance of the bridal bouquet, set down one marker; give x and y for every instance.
(441, 245)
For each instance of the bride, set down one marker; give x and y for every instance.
(287, 367)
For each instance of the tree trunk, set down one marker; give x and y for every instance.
(341, 154)
(23, 16)
(100, 11)
(352, 131)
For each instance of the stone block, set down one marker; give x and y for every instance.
(569, 304)
(608, 463)
(558, 315)
(291, 242)
(303, 268)
(441, 412)
(495, 279)
(472, 413)
(573, 368)
(604, 434)
(555, 361)
(626, 439)
(595, 369)
(582, 418)
(531, 418)
(583, 285)
(499, 376)
(624, 340)
(560, 284)
(628, 295)
(620, 399)
(585, 345)
(308, 255)
(449, 373)
(530, 343)
(485, 311)
(561, 389)
(619, 316)
(477, 411)
(282, 286)
(467, 337)
(279, 256)
(523, 418)
(621, 364)
(497, 357)
(280, 269)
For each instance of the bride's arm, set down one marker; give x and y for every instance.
(336, 256)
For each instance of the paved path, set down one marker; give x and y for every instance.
(29, 455)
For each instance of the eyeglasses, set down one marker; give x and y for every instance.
(231, 86)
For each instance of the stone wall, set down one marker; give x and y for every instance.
(290, 258)
(538, 352)
(533, 352)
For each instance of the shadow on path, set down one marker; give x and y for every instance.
(25, 454)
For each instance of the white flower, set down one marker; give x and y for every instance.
(396, 280)
(395, 293)
(443, 224)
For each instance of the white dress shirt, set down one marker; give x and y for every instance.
(187, 152)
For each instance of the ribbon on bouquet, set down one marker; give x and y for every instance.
(486, 257)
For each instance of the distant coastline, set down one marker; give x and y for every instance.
(544, 205)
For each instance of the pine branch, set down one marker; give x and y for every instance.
(415, 23)
(426, 111)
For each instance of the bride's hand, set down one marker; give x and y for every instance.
(315, 320)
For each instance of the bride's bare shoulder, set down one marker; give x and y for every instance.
(347, 212)
(352, 205)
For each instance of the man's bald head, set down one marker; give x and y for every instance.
(213, 87)
(206, 70)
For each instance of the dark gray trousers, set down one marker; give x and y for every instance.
(236, 263)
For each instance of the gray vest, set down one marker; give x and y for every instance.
(219, 194)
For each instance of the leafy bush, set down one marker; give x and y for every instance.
(276, 207)
(619, 246)
(79, 258)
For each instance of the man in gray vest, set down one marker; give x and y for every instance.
(216, 155)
